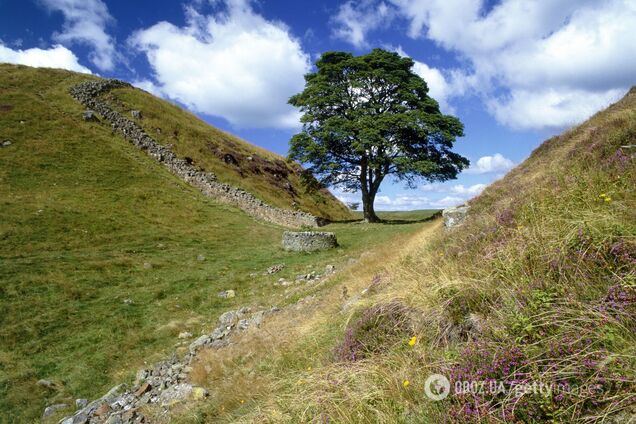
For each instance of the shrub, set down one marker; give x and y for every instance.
(376, 330)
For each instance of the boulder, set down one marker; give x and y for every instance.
(308, 241)
(455, 216)
(227, 294)
(136, 114)
(89, 116)
(47, 384)
(229, 317)
(53, 409)
(185, 335)
(81, 403)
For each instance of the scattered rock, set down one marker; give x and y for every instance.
(200, 258)
(455, 216)
(201, 341)
(199, 393)
(330, 269)
(227, 294)
(6, 143)
(141, 376)
(81, 403)
(228, 318)
(185, 335)
(283, 282)
(53, 409)
(128, 301)
(243, 324)
(143, 389)
(275, 268)
(147, 265)
(47, 384)
(114, 419)
(175, 394)
(102, 410)
(308, 241)
(136, 114)
(90, 116)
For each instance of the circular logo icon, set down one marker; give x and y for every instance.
(437, 387)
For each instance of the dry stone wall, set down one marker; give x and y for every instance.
(88, 93)
(308, 241)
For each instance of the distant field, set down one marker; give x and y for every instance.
(415, 215)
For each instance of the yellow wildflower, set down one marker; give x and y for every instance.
(242, 401)
(406, 383)
(413, 341)
(608, 199)
(602, 195)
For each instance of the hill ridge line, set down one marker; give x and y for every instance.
(87, 93)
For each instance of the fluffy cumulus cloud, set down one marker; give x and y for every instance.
(472, 190)
(54, 57)
(438, 195)
(536, 64)
(356, 18)
(234, 64)
(401, 202)
(85, 23)
(491, 164)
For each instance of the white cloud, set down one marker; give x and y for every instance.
(491, 164)
(85, 23)
(550, 107)
(356, 18)
(148, 86)
(472, 190)
(536, 64)
(54, 57)
(401, 202)
(452, 196)
(558, 62)
(234, 64)
(448, 201)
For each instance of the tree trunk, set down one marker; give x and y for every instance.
(367, 207)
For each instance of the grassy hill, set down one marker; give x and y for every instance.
(105, 256)
(537, 287)
(266, 175)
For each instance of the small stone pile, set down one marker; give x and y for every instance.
(88, 92)
(165, 384)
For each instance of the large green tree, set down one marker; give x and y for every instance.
(369, 117)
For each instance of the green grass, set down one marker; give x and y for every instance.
(81, 212)
(403, 216)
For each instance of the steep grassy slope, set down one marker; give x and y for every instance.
(262, 173)
(537, 289)
(100, 246)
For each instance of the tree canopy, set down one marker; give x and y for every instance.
(369, 117)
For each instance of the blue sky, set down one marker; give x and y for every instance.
(513, 71)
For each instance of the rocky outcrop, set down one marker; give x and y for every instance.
(308, 241)
(88, 93)
(455, 216)
(166, 383)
